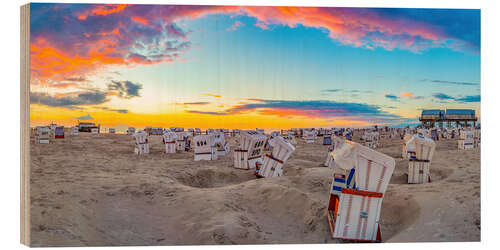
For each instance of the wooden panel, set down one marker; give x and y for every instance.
(25, 124)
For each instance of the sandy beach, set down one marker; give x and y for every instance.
(92, 190)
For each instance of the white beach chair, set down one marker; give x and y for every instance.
(329, 157)
(156, 131)
(260, 131)
(94, 131)
(466, 139)
(204, 147)
(74, 131)
(130, 131)
(407, 150)
(361, 177)
(275, 134)
(42, 135)
(371, 139)
(197, 131)
(477, 138)
(309, 136)
(141, 142)
(59, 132)
(169, 139)
(273, 163)
(112, 131)
(235, 132)
(420, 161)
(250, 149)
(290, 139)
(180, 141)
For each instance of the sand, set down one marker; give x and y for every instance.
(92, 190)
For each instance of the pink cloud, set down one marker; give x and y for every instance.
(235, 26)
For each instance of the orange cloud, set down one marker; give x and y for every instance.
(102, 10)
(213, 95)
(47, 61)
(407, 94)
(139, 19)
(62, 53)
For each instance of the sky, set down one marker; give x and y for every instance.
(249, 67)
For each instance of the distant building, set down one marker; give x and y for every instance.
(459, 117)
(432, 114)
(454, 114)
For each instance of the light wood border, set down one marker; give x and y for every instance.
(25, 125)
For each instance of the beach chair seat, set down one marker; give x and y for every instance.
(204, 147)
(74, 131)
(361, 177)
(94, 131)
(327, 140)
(273, 163)
(141, 142)
(180, 141)
(221, 145)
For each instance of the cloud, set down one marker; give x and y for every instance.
(331, 90)
(69, 40)
(125, 89)
(207, 112)
(76, 79)
(101, 10)
(407, 94)
(409, 29)
(312, 109)
(235, 26)
(85, 118)
(410, 95)
(76, 40)
(452, 82)
(352, 91)
(469, 98)
(442, 96)
(392, 97)
(213, 95)
(193, 103)
(63, 85)
(69, 100)
(121, 111)
(465, 99)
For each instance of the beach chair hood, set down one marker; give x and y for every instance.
(345, 156)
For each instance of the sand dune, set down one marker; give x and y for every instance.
(91, 190)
